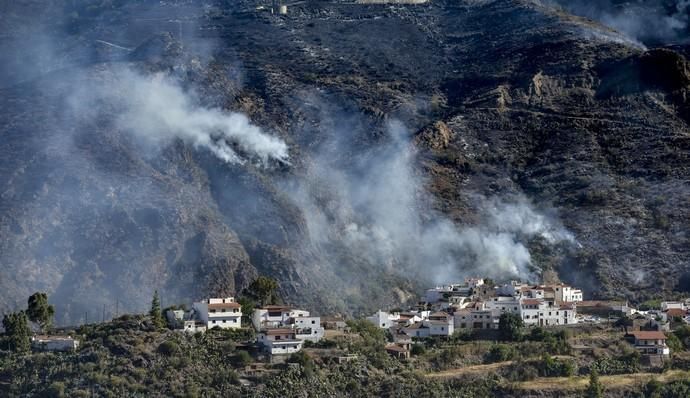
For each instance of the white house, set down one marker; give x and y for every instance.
(272, 316)
(54, 343)
(383, 319)
(307, 328)
(512, 289)
(503, 304)
(530, 310)
(462, 319)
(304, 326)
(192, 326)
(532, 292)
(474, 282)
(552, 316)
(224, 313)
(667, 305)
(439, 324)
(419, 330)
(483, 319)
(566, 294)
(437, 294)
(279, 341)
(649, 342)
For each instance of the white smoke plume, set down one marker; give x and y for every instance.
(157, 110)
(655, 22)
(378, 209)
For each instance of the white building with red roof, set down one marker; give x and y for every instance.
(271, 316)
(224, 313)
(278, 341)
(304, 326)
(649, 342)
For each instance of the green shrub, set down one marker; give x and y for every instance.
(303, 359)
(242, 358)
(500, 353)
(417, 349)
(650, 305)
(613, 366)
(168, 348)
(550, 367)
(683, 334)
(522, 371)
(510, 327)
(55, 390)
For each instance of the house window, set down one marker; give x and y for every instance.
(224, 321)
(214, 321)
(212, 311)
(313, 322)
(277, 337)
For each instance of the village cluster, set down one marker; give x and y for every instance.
(280, 329)
(475, 305)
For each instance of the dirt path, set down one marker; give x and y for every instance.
(468, 370)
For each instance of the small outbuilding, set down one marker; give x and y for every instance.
(54, 343)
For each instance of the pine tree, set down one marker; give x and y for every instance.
(155, 313)
(263, 289)
(17, 331)
(39, 311)
(595, 389)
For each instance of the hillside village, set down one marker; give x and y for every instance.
(476, 306)
(518, 332)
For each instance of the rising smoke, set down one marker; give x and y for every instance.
(378, 208)
(650, 22)
(157, 110)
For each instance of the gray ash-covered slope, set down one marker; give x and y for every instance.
(504, 97)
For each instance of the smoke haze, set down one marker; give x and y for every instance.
(378, 208)
(649, 22)
(157, 111)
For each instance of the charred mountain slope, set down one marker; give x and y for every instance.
(503, 98)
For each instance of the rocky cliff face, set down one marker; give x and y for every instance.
(425, 142)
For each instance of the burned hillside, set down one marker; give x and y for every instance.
(421, 143)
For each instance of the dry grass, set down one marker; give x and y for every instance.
(474, 370)
(469, 370)
(609, 382)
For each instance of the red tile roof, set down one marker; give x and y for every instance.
(676, 312)
(224, 305)
(439, 314)
(531, 301)
(648, 335)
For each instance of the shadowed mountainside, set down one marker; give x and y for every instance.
(502, 98)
